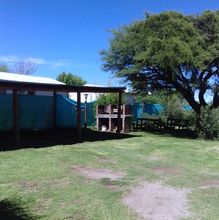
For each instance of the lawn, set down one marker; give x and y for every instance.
(53, 182)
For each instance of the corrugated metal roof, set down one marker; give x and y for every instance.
(13, 77)
(33, 86)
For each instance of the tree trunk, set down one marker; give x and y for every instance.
(215, 103)
(201, 97)
(189, 97)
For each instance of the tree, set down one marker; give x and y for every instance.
(4, 68)
(159, 97)
(25, 67)
(109, 98)
(71, 79)
(169, 51)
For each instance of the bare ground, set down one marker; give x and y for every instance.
(106, 160)
(155, 201)
(167, 170)
(214, 183)
(28, 185)
(96, 173)
(154, 157)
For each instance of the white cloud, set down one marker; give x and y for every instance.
(14, 59)
(59, 63)
(64, 63)
(37, 60)
(8, 59)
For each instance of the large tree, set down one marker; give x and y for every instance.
(169, 51)
(71, 79)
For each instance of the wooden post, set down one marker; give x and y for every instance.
(79, 116)
(16, 119)
(119, 113)
(110, 118)
(123, 118)
(54, 111)
(97, 118)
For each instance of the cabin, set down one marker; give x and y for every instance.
(31, 90)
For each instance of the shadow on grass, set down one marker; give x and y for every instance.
(10, 210)
(179, 133)
(39, 139)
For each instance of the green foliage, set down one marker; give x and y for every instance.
(4, 68)
(71, 79)
(209, 123)
(158, 97)
(174, 109)
(106, 99)
(168, 50)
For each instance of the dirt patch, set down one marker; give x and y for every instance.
(210, 184)
(111, 186)
(60, 183)
(157, 202)
(106, 160)
(154, 158)
(28, 185)
(37, 186)
(96, 173)
(42, 204)
(166, 170)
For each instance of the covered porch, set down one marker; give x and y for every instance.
(17, 87)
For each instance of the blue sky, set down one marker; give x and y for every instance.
(67, 35)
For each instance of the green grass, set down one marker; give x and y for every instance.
(43, 183)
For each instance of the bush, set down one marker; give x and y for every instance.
(106, 99)
(175, 109)
(208, 126)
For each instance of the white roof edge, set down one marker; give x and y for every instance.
(93, 85)
(4, 76)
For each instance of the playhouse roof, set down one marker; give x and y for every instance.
(13, 77)
(35, 83)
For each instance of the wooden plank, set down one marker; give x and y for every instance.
(79, 116)
(110, 118)
(123, 118)
(16, 119)
(119, 113)
(54, 110)
(97, 118)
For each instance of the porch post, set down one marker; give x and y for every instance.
(54, 110)
(79, 116)
(16, 119)
(119, 113)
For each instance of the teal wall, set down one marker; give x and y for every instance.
(36, 112)
(139, 109)
(6, 113)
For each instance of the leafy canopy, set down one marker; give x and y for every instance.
(169, 51)
(4, 68)
(71, 79)
(106, 99)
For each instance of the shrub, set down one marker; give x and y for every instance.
(208, 126)
(174, 108)
(106, 99)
